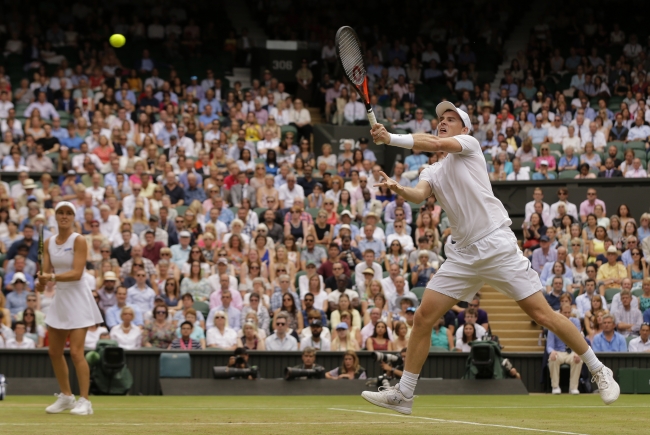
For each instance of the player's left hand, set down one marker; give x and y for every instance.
(388, 182)
(380, 134)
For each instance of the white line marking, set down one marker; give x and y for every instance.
(152, 408)
(438, 420)
(235, 423)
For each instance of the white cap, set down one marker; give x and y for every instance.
(446, 105)
(543, 163)
(18, 276)
(66, 204)
(184, 234)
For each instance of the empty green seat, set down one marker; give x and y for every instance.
(175, 365)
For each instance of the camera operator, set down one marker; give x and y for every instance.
(239, 360)
(394, 369)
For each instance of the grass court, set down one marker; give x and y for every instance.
(485, 415)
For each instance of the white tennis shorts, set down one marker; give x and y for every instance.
(495, 260)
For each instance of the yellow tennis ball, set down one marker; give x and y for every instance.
(117, 40)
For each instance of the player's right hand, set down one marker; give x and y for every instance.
(380, 134)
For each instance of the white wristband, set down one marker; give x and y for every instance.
(401, 140)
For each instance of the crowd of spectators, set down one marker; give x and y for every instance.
(594, 266)
(207, 207)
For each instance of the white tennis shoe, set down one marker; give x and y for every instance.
(390, 398)
(83, 407)
(607, 386)
(63, 403)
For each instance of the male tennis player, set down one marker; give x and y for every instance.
(483, 250)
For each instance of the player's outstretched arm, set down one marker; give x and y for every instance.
(427, 143)
(415, 194)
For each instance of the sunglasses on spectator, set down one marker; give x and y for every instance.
(161, 312)
(280, 323)
(222, 255)
(105, 250)
(165, 253)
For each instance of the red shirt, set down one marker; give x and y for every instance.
(153, 253)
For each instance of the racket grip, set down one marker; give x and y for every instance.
(373, 120)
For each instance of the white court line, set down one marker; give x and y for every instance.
(439, 420)
(220, 408)
(236, 423)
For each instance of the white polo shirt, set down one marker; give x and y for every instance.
(461, 184)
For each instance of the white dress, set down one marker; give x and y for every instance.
(73, 306)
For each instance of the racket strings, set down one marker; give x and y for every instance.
(351, 58)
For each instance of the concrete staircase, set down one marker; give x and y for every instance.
(518, 41)
(510, 323)
(316, 117)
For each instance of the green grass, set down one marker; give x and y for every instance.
(485, 415)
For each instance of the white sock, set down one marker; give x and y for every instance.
(592, 361)
(407, 383)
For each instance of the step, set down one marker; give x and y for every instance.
(502, 309)
(520, 316)
(535, 349)
(513, 324)
(517, 333)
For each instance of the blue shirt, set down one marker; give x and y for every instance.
(216, 106)
(16, 302)
(164, 135)
(547, 272)
(565, 162)
(617, 344)
(539, 176)
(113, 316)
(60, 133)
(554, 301)
(72, 142)
(414, 161)
(110, 179)
(642, 233)
(375, 245)
(553, 342)
(180, 255)
(538, 135)
(143, 299)
(226, 216)
(353, 228)
(192, 194)
(207, 120)
(182, 180)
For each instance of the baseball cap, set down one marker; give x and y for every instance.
(544, 239)
(346, 213)
(446, 105)
(371, 214)
(345, 227)
(543, 163)
(410, 310)
(369, 270)
(105, 207)
(110, 276)
(342, 325)
(612, 250)
(71, 173)
(153, 218)
(539, 116)
(222, 261)
(194, 78)
(19, 276)
(317, 322)
(31, 197)
(29, 184)
(363, 140)
(311, 263)
(185, 234)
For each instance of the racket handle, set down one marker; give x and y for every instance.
(373, 120)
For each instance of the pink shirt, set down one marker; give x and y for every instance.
(587, 208)
(237, 302)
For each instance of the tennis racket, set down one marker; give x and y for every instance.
(41, 247)
(348, 50)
